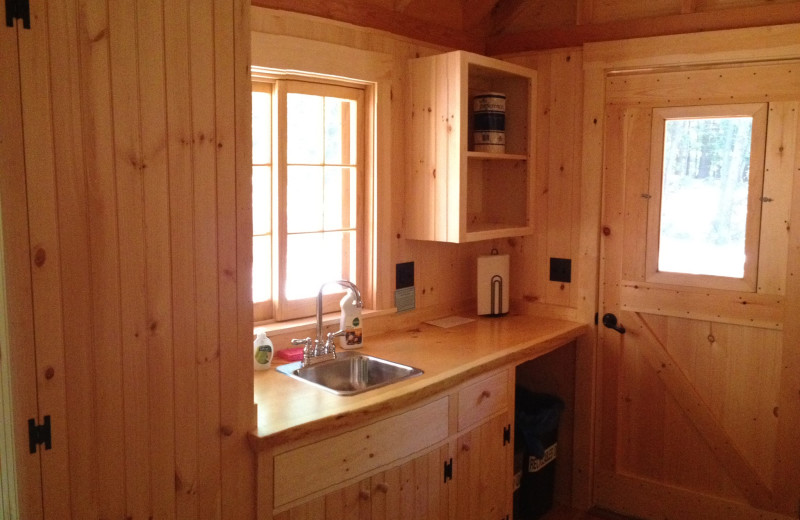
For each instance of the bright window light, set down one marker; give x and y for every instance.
(704, 196)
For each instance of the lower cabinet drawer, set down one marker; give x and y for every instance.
(481, 399)
(309, 469)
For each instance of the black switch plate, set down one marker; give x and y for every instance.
(560, 270)
(404, 274)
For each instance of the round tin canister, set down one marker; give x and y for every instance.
(489, 123)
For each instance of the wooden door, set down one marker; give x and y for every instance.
(692, 409)
(483, 471)
(31, 134)
(125, 201)
(21, 469)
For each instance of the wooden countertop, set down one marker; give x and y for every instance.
(289, 410)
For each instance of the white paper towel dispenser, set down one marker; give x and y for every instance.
(493, 285)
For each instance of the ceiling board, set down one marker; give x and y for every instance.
(557, 37)
(378, 16)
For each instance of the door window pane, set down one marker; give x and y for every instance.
(704, 198)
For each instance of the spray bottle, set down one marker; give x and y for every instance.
(350, 322)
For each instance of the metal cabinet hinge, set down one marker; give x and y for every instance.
(39, 434)
(448, 469)
(18, 10)
(506, 434)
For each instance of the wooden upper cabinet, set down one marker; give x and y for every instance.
(455, 193)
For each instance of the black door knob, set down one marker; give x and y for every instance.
(610, 321)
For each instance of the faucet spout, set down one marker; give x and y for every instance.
(343, 283)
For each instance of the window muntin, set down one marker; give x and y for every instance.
(707, 177)
(318, 133)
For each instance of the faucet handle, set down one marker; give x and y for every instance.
(307, 342)
(329, 345)
(332, 335)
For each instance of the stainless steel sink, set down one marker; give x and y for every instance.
(350, 373)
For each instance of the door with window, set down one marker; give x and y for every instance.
(697, 194)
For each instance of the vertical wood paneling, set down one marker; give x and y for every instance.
(423, 97)
(787, 471)
(386, 495)
(129, 167)
(159, 330)
(181, 189)
(557, 198)
(239, 475)
(635, 189)
(201, 55)
(73, 222)
(540, 264)
(563, 167)
(39, 136)
(234, 207)
(16, 303)
(98, 129)
(607, 379)
(779, 160)
(587, 271)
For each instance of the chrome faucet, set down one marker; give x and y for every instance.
(318, 350)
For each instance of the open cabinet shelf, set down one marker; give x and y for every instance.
(453, 192)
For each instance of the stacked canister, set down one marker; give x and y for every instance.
(489, 124)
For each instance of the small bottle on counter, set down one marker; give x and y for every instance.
(350, 322)
(262, 352)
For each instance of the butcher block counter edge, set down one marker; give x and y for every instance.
(290, 410)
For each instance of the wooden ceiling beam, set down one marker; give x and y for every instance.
(365, 14)
(574, 36)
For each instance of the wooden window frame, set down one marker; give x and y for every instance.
(286, 309)
(279, 308)
(748, 283)
(263, 310)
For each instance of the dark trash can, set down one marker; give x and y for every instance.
(535, 447)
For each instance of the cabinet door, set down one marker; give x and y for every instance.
(414, 489)
(483, 472)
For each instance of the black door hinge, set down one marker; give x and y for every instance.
(506, 434)
(18, 10)
(448, 469)
(39, 434)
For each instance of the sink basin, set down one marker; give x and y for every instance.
(350, 373)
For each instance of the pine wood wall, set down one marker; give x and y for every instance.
(126, 224)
